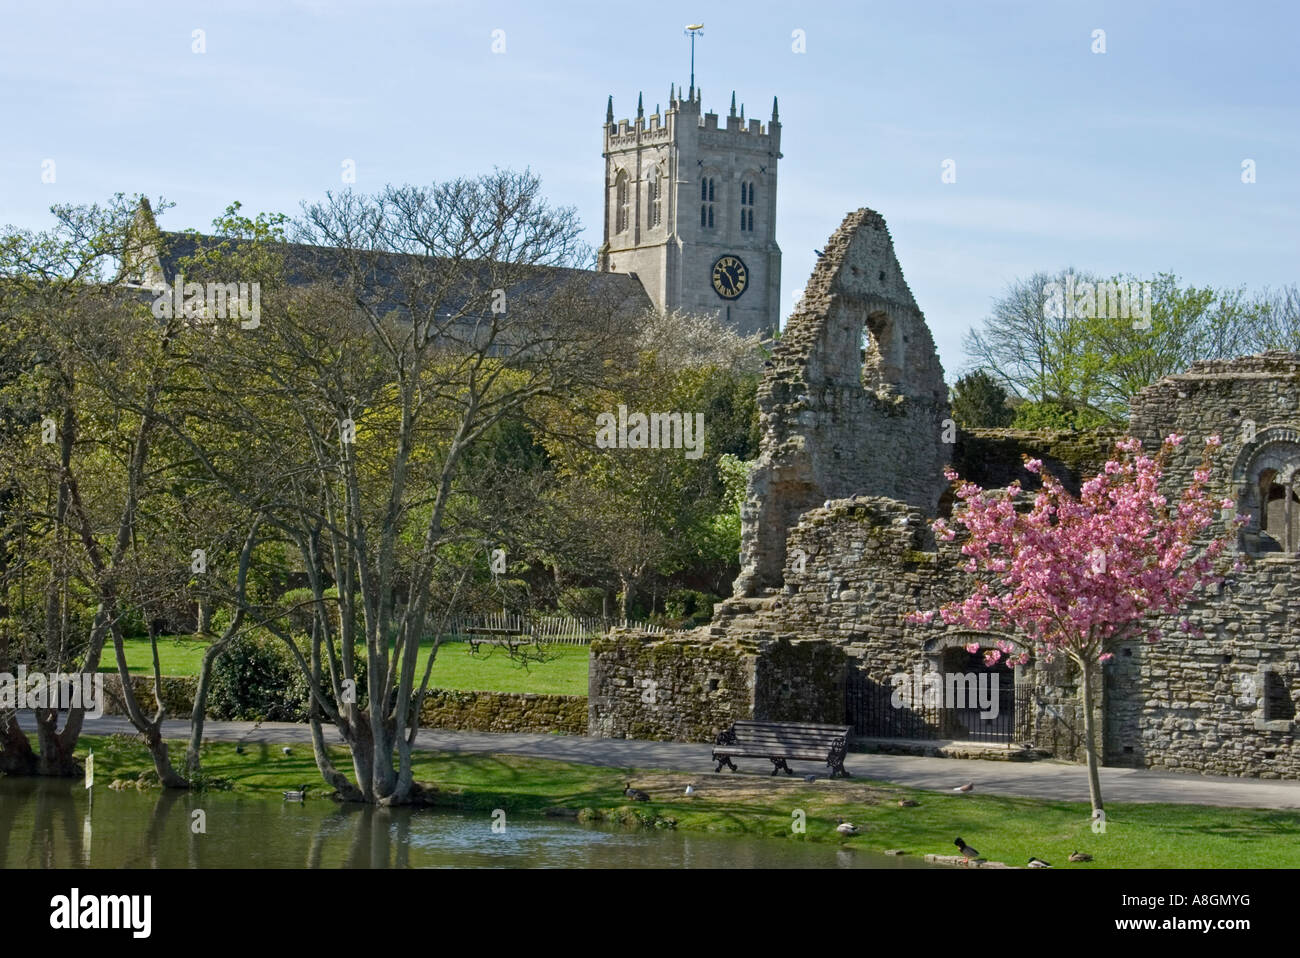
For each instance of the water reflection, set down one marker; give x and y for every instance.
(50, 824)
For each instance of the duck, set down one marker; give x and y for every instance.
(635, 794)
(968, 787)
(908, 803)
(1038, 863)
(846, 828)
(297, 796)
(1080, 857)
(967, 852)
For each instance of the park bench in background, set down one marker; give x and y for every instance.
(509, 638)
(779, 741)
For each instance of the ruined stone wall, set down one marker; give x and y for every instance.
(859, 566)
(800, 681)
(678, 689)
(1252, 404)
(1198, 704)
(837, 551)
(838, 420)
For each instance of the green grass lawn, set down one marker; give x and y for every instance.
(488, 670)
(179, 655)
(1003, 829)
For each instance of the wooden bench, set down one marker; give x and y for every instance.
(779, 741)
(509, 638)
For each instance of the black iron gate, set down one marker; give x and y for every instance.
(870, 708)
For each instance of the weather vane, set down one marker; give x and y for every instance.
(692, 29)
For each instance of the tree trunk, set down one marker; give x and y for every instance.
(151, 729)
(332, 776)
(162, 762)
(57, 760)
(16, 755)
(204, 625)
(199, 713)
(1089, 734)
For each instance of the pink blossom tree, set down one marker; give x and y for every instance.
(1076, 577)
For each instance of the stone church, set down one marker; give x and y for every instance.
(837, 551)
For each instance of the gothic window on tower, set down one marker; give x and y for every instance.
(654, 204)
(707, 186)
(620, 192)
(746, 207)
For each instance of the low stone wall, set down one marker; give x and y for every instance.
(443, 708)
(504, 712)
(177, 694)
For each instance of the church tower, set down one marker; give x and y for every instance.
(690, 208)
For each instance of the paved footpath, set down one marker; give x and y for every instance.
(1042, 779)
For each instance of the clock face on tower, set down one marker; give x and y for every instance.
(730, 276)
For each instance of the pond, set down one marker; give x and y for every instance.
(51, 824)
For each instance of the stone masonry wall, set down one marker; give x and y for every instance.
(504, 712)
(1198, 704)
(688, 688)
(1192, 703)
(443, 708)
(1252, 404)
(177, 694)
(678, 689)
(867, 563)
(839, 421)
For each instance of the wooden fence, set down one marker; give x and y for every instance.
(550, 629)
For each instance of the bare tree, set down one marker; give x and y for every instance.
(1031, 347)
(1279, 326)
(417, 320)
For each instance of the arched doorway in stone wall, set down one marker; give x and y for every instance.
(947, 693)
(1002, 686)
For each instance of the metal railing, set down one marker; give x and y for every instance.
(870, 710)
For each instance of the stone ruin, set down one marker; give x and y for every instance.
(837, 418)
(837, 550)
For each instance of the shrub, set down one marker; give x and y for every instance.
(1051, 414)
(256, 679)
(691, 605)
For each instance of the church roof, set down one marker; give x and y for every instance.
(390, 272)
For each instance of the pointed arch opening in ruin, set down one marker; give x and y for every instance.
(882, 353)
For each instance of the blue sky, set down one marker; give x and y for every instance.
(1127, 161)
